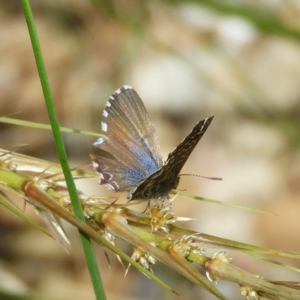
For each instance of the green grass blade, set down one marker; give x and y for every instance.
(87, 247)
(23, 123)
(22, 216)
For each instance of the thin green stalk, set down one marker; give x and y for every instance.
(86, 243)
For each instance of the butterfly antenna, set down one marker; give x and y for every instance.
(206, 177)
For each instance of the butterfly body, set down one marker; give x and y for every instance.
(131, 138)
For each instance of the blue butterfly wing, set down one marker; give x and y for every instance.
(131, 138)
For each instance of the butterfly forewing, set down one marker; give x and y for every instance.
(131, 138)
(166, 178)
(178, 157)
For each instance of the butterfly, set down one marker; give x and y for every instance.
(138, 166)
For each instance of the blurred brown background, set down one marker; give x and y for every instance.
(239, 61)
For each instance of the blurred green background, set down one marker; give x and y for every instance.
(237, 60)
